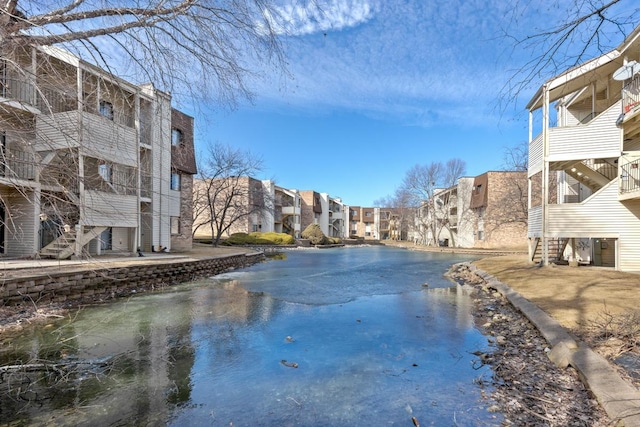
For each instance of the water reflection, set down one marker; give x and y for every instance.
(371, 346)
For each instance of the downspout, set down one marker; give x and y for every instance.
(81, 194)
(529, 192)
(545, 174)
(137, 232)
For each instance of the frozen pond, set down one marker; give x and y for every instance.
(337, 337)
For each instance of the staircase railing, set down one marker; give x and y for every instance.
(629, 172)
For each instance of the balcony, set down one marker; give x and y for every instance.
(598, 139)
(631, 98)
(290, 210)
(18, 164)
(629, 165)
(18, 93)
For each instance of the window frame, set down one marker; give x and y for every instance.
(175, 184)
(175, 225)
(106, 110)
(177, 137)
(105, 170)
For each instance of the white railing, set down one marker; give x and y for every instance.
(629, 164)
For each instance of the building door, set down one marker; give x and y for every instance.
(106, 239)
(146, 227)
(604, 252)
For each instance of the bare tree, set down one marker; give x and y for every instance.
(516, 157)
(584, 30)
(422, 183)
(53, 130)
(225, 194)
(211, 46)
(402, 212)
(514, 198)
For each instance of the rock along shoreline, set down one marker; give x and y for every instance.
(527, 388)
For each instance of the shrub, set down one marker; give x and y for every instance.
(277, 238)
(238, 239)
(257, 238)
(315, 235)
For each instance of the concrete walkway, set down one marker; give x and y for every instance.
(619, 399)
(17, 263)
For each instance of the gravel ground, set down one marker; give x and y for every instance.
(528, 389)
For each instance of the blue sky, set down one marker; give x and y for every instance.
(377, 86)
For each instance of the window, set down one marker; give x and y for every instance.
(106, 109)
(175, 181)
(255, 228)
(176, 137)
(480, 235)
(367, 214)
(175, 225)
(354, 212)
(105, 172)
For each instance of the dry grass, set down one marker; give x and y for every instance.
(575, 297)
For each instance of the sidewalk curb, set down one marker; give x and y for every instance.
(619, 399)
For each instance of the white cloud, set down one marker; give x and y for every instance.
(300, 18)
(413, 60)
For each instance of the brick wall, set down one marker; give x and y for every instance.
(184, 241)
(105, 283)
(505, 212)
(307, 215)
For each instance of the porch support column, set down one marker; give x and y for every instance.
(545, 174)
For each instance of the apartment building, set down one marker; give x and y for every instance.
(583, 174)
(326, 211)
(497, 216)
(245, 205)
(87, 160)
(443, 220)
(287, 212)
(486, 211)
(362, 222)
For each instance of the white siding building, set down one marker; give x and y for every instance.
(584, 184)
(86, 159)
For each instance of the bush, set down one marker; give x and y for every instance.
(257, 238)
(315, 235)
(238, 239)
(276, 238)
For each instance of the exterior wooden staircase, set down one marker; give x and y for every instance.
(556, 249)
(65, 245)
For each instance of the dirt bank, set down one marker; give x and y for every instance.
(526, 387)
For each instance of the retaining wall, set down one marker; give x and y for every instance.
(104, 283)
